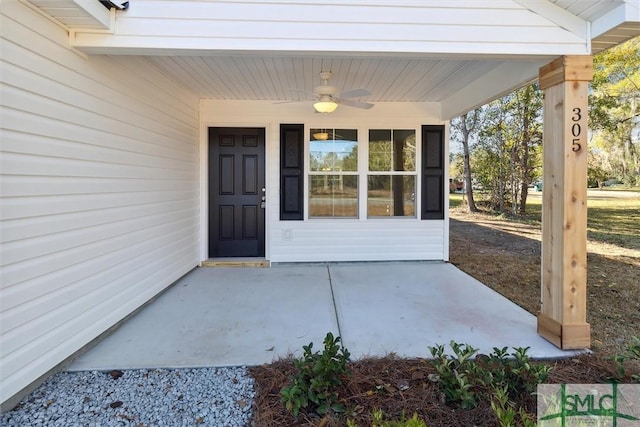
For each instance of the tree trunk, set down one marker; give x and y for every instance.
(524, 192)
(524, 159)
(466, 132)
(527, 144)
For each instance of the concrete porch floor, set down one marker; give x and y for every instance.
(249, 316)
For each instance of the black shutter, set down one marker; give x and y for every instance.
(291, 172)
(432, 172)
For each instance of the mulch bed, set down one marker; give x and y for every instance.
(506, 257)
(400, 387)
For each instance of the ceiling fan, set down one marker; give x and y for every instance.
(327, 97)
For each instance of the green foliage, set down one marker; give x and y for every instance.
(504, 138)
(465, 129)
(505, 411)
(453, 373)
(596, 173)
(456, 167)
(507, 157)
(317, 376)
(463, 378)
(378, 421)
(614, 111)
(515, 371)
(631, 353)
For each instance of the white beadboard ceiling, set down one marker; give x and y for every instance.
(587, 9)
(280, 78)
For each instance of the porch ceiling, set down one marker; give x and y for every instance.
(281, 78)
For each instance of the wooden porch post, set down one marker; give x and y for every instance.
(562, 318)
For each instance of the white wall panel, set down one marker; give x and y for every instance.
(99, 192)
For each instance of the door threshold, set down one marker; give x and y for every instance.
(235, 262)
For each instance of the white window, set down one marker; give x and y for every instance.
(391, 181)
(333, 173)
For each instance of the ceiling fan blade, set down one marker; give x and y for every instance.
(354, 93)
(352, 103)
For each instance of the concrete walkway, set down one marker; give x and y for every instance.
(250, 316)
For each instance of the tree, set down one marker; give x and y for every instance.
(492, 154)
(527, 105)
(596, 169)
(614, 113)
(456, 167)
(464, 127)
(507, 156)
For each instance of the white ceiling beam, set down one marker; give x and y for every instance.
(500, 81)
(558, 16)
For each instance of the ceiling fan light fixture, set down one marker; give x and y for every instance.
(321, 136)
(325, 105)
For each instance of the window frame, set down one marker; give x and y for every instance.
(311, 173)
(390, 173)
(421, 187)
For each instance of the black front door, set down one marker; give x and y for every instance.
(236, 192)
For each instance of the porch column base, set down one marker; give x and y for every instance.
(568, 336)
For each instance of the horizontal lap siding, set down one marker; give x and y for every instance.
(99, 193)
(431, 27)
(319, 240)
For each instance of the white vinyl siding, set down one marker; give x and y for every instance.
(353, 240)
(339, 239)
(99, 192)
(496, 26)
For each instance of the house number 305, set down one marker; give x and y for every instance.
(576, 129)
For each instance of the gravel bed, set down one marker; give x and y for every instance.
(139, 397)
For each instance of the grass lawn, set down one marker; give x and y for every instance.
(610, 220)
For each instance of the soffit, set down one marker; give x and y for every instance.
(76, 14)
(587, 10)
(283, 78)
(612, 21)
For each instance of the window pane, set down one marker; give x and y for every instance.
(333, 150)
(392, 150)
(391, 195)
(333, 196)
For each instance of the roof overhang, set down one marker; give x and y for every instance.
(79, 15)
(615, 27)
(460, 54)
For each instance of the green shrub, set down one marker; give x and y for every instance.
(453, 373)
(378, 421)
(505, 410)
(463, 378)
(631, 353)
(515, 371)
(316, 379)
